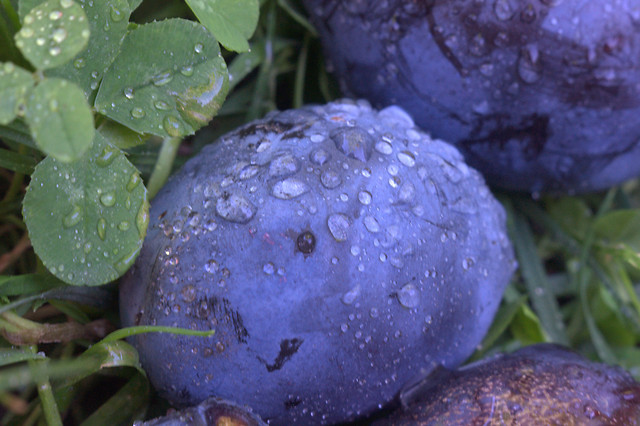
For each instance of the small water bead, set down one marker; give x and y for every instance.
(137, 112)
(73, 218)
(66, 3)
(350, 296)
(371, 224)
(365, 197)
(142, 219)
(235, 208)
(102, 228)
(59, 35)
(124, 225)
(330, 179)
(344, 327)
(269, 268)
(353, 142)
(316, 138)
(211, 266)
(263, 145)
(134, 181)
(384, 147)
(128, 92)
(504, 9)
(187, 71)
(108, 199)
(529, 64)
(283, 165)
(338, 226)
(409, 296)
(289, 188)
(162, 78)
(79, 63)
(355, 250)
(116, 14)
(198, 47)
(55, 15)
(344, 197)
(407, 158)
(172, 126)
(407, 193)
(320, 156)
(40, 41)
(393, 169)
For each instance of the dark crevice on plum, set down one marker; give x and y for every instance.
(532, 133)
(288, 347)
(221, 311)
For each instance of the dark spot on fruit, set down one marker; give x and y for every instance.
(219, 312)
(306, 242)
(292, 402)
(162, 215)
(288, 347)
(531, 133)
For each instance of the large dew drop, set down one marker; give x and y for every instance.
(338, 226)
(235, 208)
(289, 188)
(353, 142)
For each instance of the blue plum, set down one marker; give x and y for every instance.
(336, 250)
(538, 95)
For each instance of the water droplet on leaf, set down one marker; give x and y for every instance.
(73, 218)
(102, 228)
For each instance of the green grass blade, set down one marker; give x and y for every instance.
(122, 406)
(539, 289)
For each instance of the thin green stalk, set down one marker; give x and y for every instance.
(301, 72)
(602, 348)
(263, 80)
(535, 278)
(163, 166)
(47, 400)
(297, 16)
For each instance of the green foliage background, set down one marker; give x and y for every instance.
(90, 129)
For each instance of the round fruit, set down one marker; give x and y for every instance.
(540, 95)
(540, 384)
(213, 411)
(336, 250)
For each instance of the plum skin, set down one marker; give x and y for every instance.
(540, 96)
(537, 384)
(332, 271)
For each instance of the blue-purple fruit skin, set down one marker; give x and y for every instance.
(336, 250)
(541, 384)
(539, 95)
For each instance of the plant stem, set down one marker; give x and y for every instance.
(163, 166)
(47, 400)
(301, 72)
